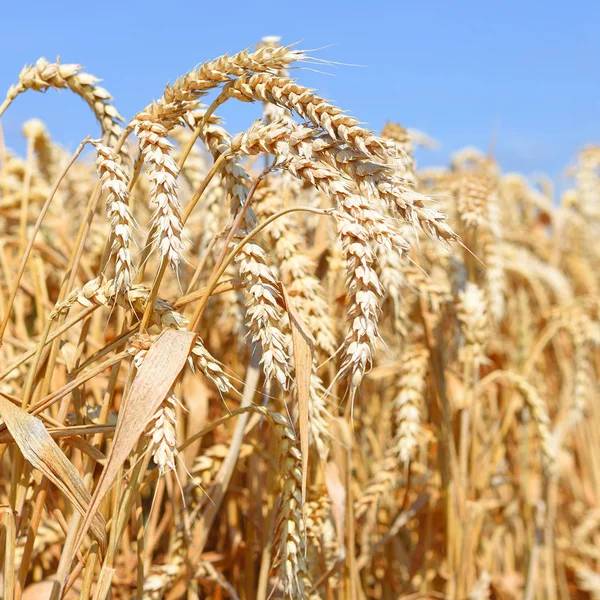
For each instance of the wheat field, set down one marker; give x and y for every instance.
(285, 362)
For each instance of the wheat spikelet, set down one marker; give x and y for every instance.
(296, 271)
(583, 371)
(409, 399)
(521, 204)
(44, 75)
(366, 294)
(405, 163)
(114, 180)
(235, 179)
(390, 268)
(264, 313)
(166, 224)
(588, 182)
(159, 580)
(100, 292)
(230, 311)
(163, 435)
(273, 112)
(318, 416)
(495, 277)
(581, 273)
(195, 164)
(317, 509)
(206, 466)
(196, 83)
(290, 530)
(372, 179)
(469, 158)
(288, 94)
(584, 333)
(209, 367)
(541, 419)
(386, 478)
(49, 158)
(521, 260)
(322, 547)
(162, 429)
(472, 199)
(471, 312)
(212, 215)
(12, 179)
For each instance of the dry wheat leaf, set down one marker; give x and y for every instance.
(337, 493)
(156, 376)
(104, 583)
(43, 453)
(9, 531)
(303, 353)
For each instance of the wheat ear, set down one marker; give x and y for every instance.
(409, 400)
(264, 313)
(166, 222)
(114, 180)
(44, 75)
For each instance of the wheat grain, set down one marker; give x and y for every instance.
(472, 314)
(44, 75)
(166, 224)
(114, 181)
(264, 313)
(408, 402)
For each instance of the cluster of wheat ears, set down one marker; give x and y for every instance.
(287, 364)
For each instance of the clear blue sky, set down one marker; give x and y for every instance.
(459, 70)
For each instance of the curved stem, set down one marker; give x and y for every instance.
(56, 333)
(34, 233)
(220, 99)
(44, 403)
(7, 102)
(220, 265)
(228, 260)
(213, 171)
(25, 194)
(202, 262)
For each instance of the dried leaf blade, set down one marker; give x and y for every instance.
(303, 354)
(156, 376)
(39, 449)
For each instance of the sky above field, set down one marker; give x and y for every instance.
(510, 75)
